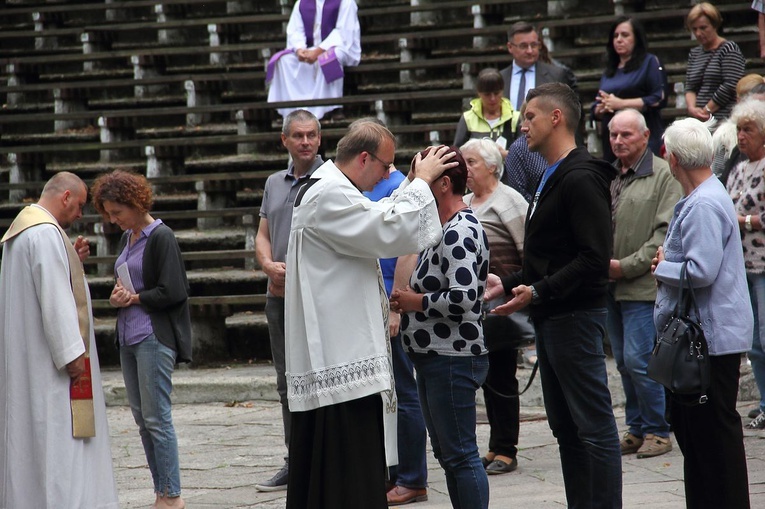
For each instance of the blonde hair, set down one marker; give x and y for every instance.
(747, 83)
(704, 9)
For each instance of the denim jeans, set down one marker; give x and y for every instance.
(447, 386)
(633, 334)
(757, 353)
(412, 468)
(147, 368)
(275, 318)
(578, 404)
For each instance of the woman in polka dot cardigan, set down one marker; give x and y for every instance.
(442, 332)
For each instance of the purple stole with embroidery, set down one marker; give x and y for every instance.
(328, 63)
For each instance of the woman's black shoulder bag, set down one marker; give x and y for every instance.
(680, 359)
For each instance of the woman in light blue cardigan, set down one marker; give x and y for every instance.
(704, 233)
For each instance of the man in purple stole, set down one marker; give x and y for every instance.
(322, 37)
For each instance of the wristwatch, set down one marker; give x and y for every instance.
(535, 298)
(748, 223)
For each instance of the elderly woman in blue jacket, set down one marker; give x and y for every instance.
(704, 234)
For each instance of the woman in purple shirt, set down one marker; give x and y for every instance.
(633, 79)
(153, 322)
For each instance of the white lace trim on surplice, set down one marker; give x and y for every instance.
(341, 378)
(427, 236)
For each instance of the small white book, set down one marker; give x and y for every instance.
(124, 274)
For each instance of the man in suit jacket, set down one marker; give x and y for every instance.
(524, 45)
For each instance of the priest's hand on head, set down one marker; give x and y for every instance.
(76, 368)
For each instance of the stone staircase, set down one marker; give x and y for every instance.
(175, 89)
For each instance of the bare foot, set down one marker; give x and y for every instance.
(171, 503)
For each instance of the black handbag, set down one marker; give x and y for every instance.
(680, 359)
(505, 332)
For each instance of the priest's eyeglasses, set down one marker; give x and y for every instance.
(387, 165)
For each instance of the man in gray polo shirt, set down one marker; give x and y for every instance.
(301, 136)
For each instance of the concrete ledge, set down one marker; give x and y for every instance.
(258, 382)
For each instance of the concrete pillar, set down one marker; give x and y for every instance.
(18, 75)
(246, 124)
(221, 35)
(93, 42)
(107, 240)
(114, 130)
(468, 76)
(250, 222)
(680, 95)
(67, 100)
(213, 196)
(380, 111)
(197, 94)
(164, 14)
(479, 22)
(44, 22)
(116, 14)
(422, 17)
(23, 167)
(239, 7)
(557, 8)
(146, 66)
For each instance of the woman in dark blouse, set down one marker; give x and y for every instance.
(153, 321)
(632, 79)
(714, 67)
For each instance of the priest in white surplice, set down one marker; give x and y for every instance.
(336, 307)
(323, 36)
(44, 318)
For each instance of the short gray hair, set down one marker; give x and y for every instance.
(689, 141)
(749, 110)
(299, 116)
(489, 152)
(636, 115)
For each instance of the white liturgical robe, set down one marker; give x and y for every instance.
(41, 465)
(335, 333)
(294, 80)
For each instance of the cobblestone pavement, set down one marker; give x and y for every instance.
(226, 450)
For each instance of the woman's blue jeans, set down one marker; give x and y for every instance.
(447, 387)
(147, 368)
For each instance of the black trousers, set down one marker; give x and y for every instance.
(711, 438)
(337, 457)
(503, 413)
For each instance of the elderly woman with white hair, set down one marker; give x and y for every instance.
(704, 234)
(502, 213)
(746, 186)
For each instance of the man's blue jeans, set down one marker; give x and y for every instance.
(633, 335)
(447, 386)
(147, 368)
(757, 353)
(578, 404)
(412, 468)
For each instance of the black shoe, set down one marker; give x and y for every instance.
(497, 467)
(485, 461)
(277, 483)
(754, 412)
(758, 423)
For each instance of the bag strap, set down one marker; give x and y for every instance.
(702, 349)
(515, 396)
(689, 299)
